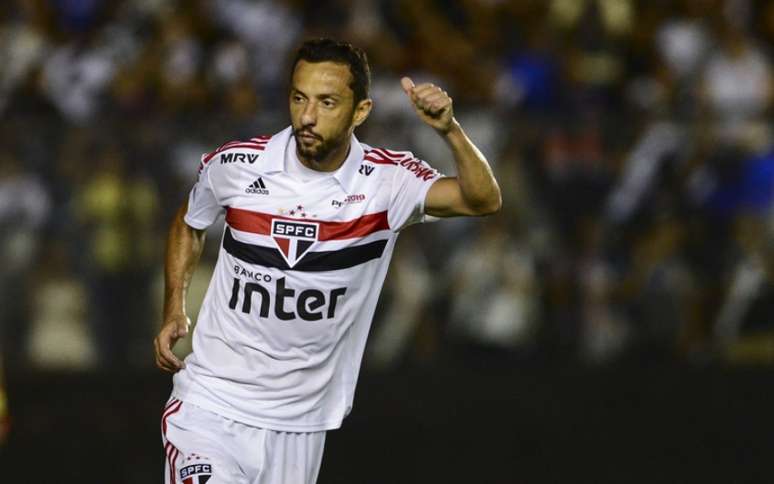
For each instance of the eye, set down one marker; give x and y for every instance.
(297, 98)
(329, 103)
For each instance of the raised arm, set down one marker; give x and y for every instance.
(474, 191)
(184, 247)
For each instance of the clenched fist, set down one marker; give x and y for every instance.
(432, 104)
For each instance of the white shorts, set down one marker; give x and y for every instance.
(203, 447)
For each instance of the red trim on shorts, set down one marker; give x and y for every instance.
(174, 408)
(169, 449)
(171, 402)
(167, 452)
(172, 457)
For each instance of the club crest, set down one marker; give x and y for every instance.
(196, 474)
(294, 238)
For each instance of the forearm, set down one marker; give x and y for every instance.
(184, 247)
(478, 185)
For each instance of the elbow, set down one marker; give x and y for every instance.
(489, 207)
(493, 207)
(495, 202)
(498, 205)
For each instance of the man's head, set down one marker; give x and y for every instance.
(328, 96)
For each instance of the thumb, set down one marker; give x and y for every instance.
(407, 85)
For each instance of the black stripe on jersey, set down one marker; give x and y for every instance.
(329, 260)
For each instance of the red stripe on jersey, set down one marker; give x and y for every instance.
(260, 223)
(393, 153)
(379, 160)
(247, 144)
(236, 144)
(388, 154)
(223, 147)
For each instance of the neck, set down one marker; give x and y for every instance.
(332, 162)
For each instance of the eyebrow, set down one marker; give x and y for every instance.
(333, 96)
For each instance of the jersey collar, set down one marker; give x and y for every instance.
(275, 158)
(348, 171)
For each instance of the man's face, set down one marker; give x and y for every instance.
(321, 108)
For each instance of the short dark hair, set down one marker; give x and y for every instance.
(322, 50)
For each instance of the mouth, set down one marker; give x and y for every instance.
(307, 136)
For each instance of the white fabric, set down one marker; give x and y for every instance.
(204, 446)
(203, 207)
(297, 170)
(278, 343)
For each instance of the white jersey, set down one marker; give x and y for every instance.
(282, 330)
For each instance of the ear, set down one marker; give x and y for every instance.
(362, 110)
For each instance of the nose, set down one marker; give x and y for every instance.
(309, 115)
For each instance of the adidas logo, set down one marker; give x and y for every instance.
(258, 187)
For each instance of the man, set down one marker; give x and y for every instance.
(312, 216)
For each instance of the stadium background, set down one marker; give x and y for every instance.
(612, 324)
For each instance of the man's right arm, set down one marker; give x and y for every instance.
(184, 247)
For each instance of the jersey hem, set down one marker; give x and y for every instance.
(423, 197)
(255, 422)
(422, 202)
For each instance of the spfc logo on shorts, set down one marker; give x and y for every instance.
(294, 238)
(196, 474)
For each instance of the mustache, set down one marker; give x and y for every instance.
(307, 132)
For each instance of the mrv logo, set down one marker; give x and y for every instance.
(293, 238)
(238, 157)
(289, 304)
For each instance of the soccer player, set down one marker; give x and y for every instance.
(312, 216)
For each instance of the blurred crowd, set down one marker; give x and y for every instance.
(632, 140)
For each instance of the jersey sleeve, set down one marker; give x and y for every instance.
(204, 206)
(411, 181)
